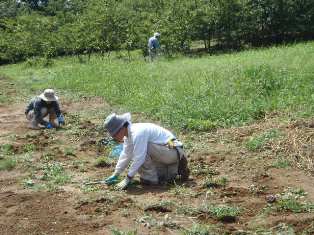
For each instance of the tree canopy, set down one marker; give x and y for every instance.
(70, 27)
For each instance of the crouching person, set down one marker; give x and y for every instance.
(155, 152)
(42, 106)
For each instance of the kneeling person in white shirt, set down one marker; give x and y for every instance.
(156, 153)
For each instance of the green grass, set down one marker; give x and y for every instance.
(258, 142)
(115, 231)
(199, 229)
(6, 149)
(221, 212)
(188, 93)
(7, 164)
(293, 205)
(217, 182)
(55, 174)
(281, 162)
(28, 148)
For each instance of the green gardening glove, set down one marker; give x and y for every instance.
(112, 180)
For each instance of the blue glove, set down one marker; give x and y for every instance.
(49, 126)
(61, 120)
(111, 180)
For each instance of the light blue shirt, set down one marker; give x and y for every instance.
(153, 43)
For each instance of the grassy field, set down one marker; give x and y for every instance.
(188, 93)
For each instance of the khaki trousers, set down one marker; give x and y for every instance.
(161, 164)
(44, 113)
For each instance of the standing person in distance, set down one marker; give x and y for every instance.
(153, 46)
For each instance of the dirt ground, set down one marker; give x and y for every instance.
(44, 192)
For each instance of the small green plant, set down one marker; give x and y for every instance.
(115, 231)
(289, 200)
(211, 182)
(90, 188)
(222, 212)
(201, 125)
(280, 229)
(199, 229)
(201, 169)
(47, 157)
(54, 172)
(182, 190)
(7, 164)
(69, 151)
(6, 149)
(290, 204)
(281, 163)
(28, 148)
(104, 162)
(258, 142)
(293, 205)
(187, 210)
(28, 183)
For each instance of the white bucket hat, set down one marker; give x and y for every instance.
(48, 95)
(156, 34)
(113, 123)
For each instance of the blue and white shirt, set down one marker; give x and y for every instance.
(153, 43)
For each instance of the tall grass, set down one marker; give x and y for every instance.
(189, 93)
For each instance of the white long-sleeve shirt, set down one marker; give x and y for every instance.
(135, 145)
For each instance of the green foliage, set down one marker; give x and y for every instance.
(200, 125)
(217, 182)
(52, 28)
(199, 229)
(27, 148)
(291, 201)
(104, 162)
(6, 149)
(182, 191)
(55, 174)
(115, 231)
(218, 90)
(256, 143)
(281, 162)
(7, 164)
(221, 212)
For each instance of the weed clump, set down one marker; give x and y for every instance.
(7, 164)
(222, 213)
(258, 142)
(104, 162)
(55, 175)
(219, 182)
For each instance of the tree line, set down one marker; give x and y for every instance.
(49, 28)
